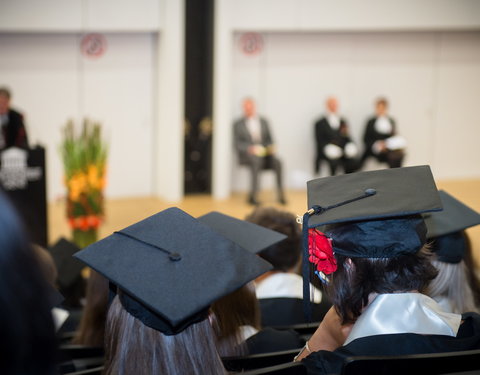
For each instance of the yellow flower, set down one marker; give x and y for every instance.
(93, 176)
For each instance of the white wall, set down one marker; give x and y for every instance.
(423, 55)
(52, 82)
(135, 89)
(431, 79)
(81, 15)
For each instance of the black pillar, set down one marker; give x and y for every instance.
(198, 95)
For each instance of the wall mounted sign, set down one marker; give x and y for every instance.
(251, 43)
(93, 46)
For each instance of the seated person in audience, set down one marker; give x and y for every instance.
(70, 281)
(256, 149)
(12, 128)
(374, 244)
(168, 269)
(454, 286)
(333, 141)
(381, 138)
(237, 326)
(49, 271)
(282, 288)
(91, 331)
(27, 338)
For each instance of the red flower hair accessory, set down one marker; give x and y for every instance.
(320, 252)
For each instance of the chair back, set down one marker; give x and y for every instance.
(425, 364)
(93, 371)
(255, 361)
(292, 368)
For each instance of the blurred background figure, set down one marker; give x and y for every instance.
(333, 141)
(27, 339)
(256, 149)
(91, 331)
(239, 330)
(456, 287)
(282, 288)
(381, 138)
(13, 132)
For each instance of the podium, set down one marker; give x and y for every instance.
(23, 180)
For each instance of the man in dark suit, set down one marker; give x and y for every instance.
(334, 144)
(381, 139)
(256, 149)
(13, 131)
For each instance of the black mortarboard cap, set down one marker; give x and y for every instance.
(68, 268)
(446, 228)
(374, 214)
(455, 217)
(250, 236)
(170, 268)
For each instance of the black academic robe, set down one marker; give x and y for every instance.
(325, 134)
(371, 135)
(289, 311)
(468, 338)
(14, 132)
(270, 340)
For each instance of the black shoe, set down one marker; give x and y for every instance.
(253, 201)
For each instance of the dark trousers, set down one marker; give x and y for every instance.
(349, 165)
(394, 159)
(256, 165)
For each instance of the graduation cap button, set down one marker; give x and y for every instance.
(175, 257)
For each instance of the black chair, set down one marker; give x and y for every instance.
(80, 364)
(255, 361)
(93, 371)
(65, 337)
(425, 364)
(70, 352)
(292, 368)
(304, 330)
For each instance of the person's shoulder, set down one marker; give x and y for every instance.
(321, 120)
(239, 121)
(13, 114)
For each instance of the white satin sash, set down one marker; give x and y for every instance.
(404, 313)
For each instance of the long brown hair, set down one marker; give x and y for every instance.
(356, 278)
(132, 348)
(91, 330)
(237, 309)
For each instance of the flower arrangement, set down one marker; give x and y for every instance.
(84, 160)
(321, 254)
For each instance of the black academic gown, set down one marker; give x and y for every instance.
(272, 340)
(325, 134)
(468, 338)
(14, 132)
(371, 135)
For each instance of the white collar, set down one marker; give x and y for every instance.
(285, 285)
(333, 120)
(404, 313)
(246, 332)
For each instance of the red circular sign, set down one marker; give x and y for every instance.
(93, 45)
(251, 43)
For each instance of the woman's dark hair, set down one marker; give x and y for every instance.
(134, 348)
(27, 334)
(285, 255)
(471, 275)
(356, 278)
(237, 309)
(91, 331)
